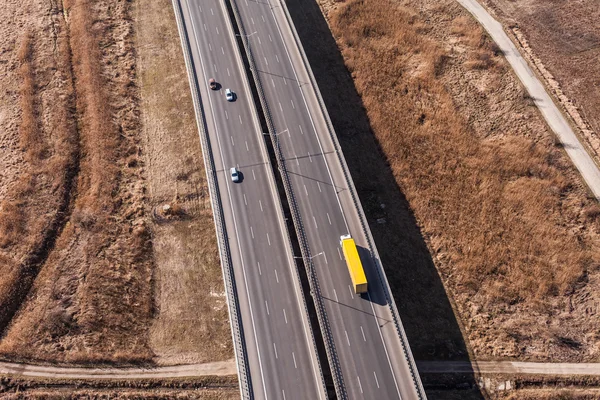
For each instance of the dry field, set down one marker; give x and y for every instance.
(208, 388)
(123, 395)
(564, 40)
(472, 181)
(76, 259)
(549, 394)
(98, 134)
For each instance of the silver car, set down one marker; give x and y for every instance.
(229, 95)
(235, 174)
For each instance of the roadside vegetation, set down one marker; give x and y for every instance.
(191, 323)
(205, 388)
(507, 220)
(101, 136)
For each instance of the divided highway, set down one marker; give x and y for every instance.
(280, 348)
(373, 360)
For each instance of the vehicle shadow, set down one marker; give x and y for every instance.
(375, 293)
(433, 331)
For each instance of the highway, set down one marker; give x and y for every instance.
(281, 355)
(371, 355)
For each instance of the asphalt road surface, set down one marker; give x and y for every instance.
(509, 367)
(282, 359)
(369, 349)
(555, 119)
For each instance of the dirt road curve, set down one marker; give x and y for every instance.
(221, 368)
(509, 367)
(557, 122)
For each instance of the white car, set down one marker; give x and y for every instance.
(229, 95)
(235, 174)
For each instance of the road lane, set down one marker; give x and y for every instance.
(371, 355)
(282, 358)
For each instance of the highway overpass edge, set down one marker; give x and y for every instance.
(237, 333)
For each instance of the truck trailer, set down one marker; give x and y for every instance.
(355, 268)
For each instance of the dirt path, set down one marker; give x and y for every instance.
(557, 122)
(220, 368)
(509, 367)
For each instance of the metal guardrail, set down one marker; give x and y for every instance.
(366, 230)
(313, 282)
(237, 331)
(280, 205)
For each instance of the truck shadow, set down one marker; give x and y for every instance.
(433, 331)
(375, 294)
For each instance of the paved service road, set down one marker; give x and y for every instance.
(555, 119)
(509, 367)
(370, 352)
(282, 359)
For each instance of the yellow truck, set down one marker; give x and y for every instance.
(355, 268)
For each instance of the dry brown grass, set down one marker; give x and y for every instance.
(191, 325)
(33, 211)
(550, 394)
(500, 206)
(92, 300)
(207, 388)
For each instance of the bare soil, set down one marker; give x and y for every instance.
(192, 319)
(562, 39)
(505, 218)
